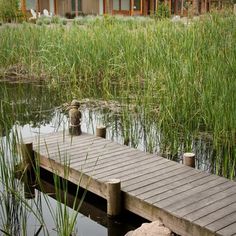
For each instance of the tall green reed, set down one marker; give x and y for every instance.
(181, 76)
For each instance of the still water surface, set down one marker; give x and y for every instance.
(34, 109)
(31, 110)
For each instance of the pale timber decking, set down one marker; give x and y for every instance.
(189, 201)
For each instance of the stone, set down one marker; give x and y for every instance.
(155, 228)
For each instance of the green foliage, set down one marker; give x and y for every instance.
(181, 76)
(56, 20)
(162, 12)
(9, 10)
(64, 21)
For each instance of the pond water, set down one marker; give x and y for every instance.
(29, 110)
(33, 109)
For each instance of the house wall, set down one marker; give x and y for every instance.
(90, 7)
(152, 6)
(31, 4)
(51, 6)
(109, 6)
(44, 4)
(63, 6)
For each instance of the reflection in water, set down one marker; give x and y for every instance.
(94, 208)
(35, 109)
(32, 109)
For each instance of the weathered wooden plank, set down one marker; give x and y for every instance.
(173, 196)
(90, 153)
(168, 187)
(178, 225)
(57, 147)
(223, 222)
(159, 180)
(124, 169)
(109, 157)
(75, 176)
(213, 212)
(91, 166)
(124, 174)
(101, 165)
(229, 230)
(202, 199)
(93, 151)
(58, 137)
(131, 179)
(78, 154)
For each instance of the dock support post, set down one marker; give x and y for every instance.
(113, 197)
(101, 131)
(189, 159)
(29, 170)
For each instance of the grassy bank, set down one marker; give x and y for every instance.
(180, 77)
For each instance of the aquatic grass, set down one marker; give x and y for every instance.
(184, 72)
(15, 209)
(65, 220)
(18, 109)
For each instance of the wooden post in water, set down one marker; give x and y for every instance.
(101, 131)
(75, 118)
(28, 170)
(113, 197)
(189, 159)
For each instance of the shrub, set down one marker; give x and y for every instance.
(39, 22)
(162, 12)
(56, 20)
(9, 10)
(64, 21)
(47, 21)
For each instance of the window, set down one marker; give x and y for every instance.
(31, 4)
(121, 5)
(73, 5)
(137, 5)
(125, 5)
(116, 5)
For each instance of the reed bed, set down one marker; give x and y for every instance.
(179, 76)
(22, 206)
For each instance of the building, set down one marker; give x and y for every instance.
(72, 8)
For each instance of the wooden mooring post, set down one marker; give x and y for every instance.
(75, 118)
(101, 131)
(28, 170)
(113, 197)
(189, 159)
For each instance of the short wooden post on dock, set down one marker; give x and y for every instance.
(29, 169)
(101, 131)
(113, 197)
(189, 159)
(75, 118)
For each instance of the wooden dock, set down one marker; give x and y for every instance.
(188, 201)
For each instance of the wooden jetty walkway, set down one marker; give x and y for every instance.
(188, 201)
